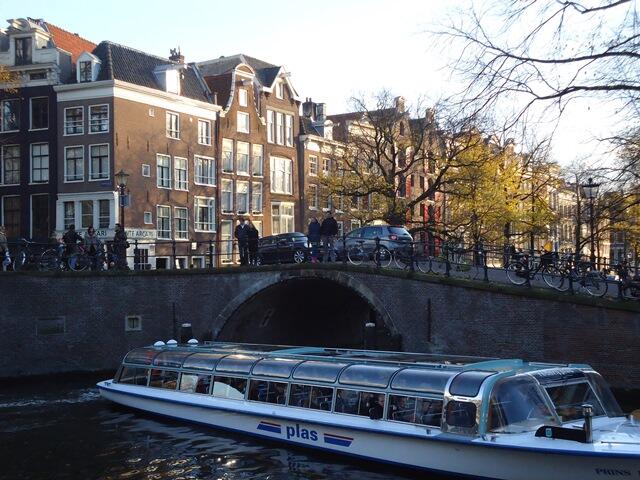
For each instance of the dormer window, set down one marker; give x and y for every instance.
(23, 51)
(86, 74)
(280, 89)
(173, 81)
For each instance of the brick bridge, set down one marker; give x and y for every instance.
(71, 322)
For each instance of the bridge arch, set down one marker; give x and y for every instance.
(335, 307)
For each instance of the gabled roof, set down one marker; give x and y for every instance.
(71, 42)
(133, 66)
(266, 72)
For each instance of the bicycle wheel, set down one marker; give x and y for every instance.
(595, 284)
(552, 276)
(79, 262)
(383, 257)
(517, 273)
(20, 260)
(423, 263)
(355, 255)
(49, 261)
(438, 265)
(402, 257)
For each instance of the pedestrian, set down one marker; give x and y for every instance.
(313, 234)
(328, 232)
(71, 239)
(5, 258)
(253, 242)
(94, 245)
(120, 245)
(242, 236)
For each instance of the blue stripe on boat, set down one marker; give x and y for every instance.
(337, 440)
(270, 427)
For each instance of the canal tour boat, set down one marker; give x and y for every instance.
(462, 416)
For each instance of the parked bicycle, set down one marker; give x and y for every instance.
(380, 254)
(629, 284)
(524, 270)
(582, 276)
(27, 256)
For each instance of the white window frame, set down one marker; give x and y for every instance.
(288, 130)
(158, 155)
(242, 97)
(89, 118)
(247, 197)
(65, 123)
(255, 188)
(169, 132)
(286, 176)
(226, 244)
(185, 232)
(244, 125)
(280, 89)
(158, 222)
(211, 180)
(202, 138)
(146, 170)
(150, 219)
(2, 130)
(225, 168)
(223, 191)
(280, 128)
(66, 174)
(313, 165)
(108, 172)
(271, 126)
(279, 230)
(182, 185)
(326, 165)
(253, 159)
(313, 196)
(245, 171)
(31, 180)
(212, 206)
(31, 129)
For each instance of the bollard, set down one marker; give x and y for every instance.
(186, 332)
(587, 413)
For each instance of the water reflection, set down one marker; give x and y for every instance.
(62, 429)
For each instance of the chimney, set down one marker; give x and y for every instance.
(176, 56)
(399, 103)
(321, 112)
(307, 109)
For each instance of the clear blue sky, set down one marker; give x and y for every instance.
(334, 49)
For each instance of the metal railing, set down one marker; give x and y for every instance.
(478, 262)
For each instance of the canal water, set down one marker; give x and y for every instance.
(59, 428)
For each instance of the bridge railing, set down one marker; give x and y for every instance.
(488, 263)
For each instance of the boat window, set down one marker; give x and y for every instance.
(237, 363)
(170, 358)
(195, 383)
(318, 371)
(568, 400)
(461, 414)
(367, 375)
(517, 405)
(307, 396)
(229, 387)
(202, 361)
(163, 379)
(467, 384)
(423, 411)
(275, 367)
(269, 392)
(427, 381)
(609, 402)
(359, 403)
(141, 356)
(134, 376)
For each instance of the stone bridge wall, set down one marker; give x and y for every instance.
(60, 323)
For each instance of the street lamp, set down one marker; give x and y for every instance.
(590, 191)
(121, 181)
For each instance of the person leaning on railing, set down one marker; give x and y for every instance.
(71, 239)
(120, 245)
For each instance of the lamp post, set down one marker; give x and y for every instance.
(121, 181)
(590, 191)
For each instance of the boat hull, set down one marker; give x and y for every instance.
(433, 451)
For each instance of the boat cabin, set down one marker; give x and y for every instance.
(461, 395)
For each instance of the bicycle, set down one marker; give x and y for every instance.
(407, 255)
(381, 255)
(26, 256)
(582, 275)
(523, 270)
(629, 285)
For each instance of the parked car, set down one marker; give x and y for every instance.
(392, 237)
(283, 248)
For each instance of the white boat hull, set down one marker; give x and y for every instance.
(410, 446)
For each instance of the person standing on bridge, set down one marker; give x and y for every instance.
(253, 240)
(328, 232)
(313, 234)
(242, 236)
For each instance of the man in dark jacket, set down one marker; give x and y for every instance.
(120, 245)
(242, 236)
(328, 232)
(253, 241)
(71, 238)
